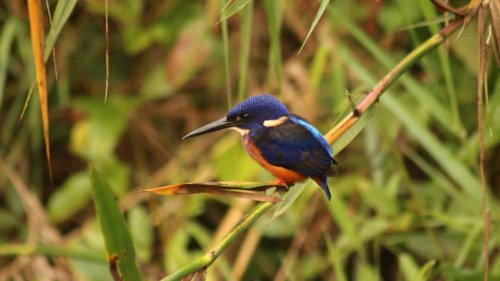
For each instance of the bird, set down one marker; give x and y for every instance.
(283, 143)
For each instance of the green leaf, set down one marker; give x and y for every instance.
(409, 267)
(70, 198)
(227, 67)
(335, 258)
(232, 8)
(426, 270)
(142, 232)
(95, 137)
(114, 228)
(61, 15)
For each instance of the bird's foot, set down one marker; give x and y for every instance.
(280, 182)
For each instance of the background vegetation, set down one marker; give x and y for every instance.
(407, 201)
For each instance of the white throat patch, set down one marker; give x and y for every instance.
(275, 122)
(241, 131)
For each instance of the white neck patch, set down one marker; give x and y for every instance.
(243, 132)
(275, 122)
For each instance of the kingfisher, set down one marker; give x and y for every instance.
(283, 143)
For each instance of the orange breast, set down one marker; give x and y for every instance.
(287, 176)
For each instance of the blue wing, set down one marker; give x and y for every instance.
(298, 146)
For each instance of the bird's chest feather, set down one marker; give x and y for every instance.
(259, 146)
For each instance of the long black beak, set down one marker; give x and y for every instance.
(220, 124)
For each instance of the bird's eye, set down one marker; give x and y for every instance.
(241, 117)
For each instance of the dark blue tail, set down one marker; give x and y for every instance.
(324, 185)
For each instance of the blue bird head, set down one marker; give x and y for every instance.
(249, 114)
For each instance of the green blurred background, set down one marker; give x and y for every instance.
(407, 199)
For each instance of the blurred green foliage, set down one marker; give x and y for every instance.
(406, 202)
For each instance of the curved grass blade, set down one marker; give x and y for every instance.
(61, 15)
(232, 8)
(320, 12)
(121, 253)
(425, 271)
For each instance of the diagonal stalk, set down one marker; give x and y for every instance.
(203, 262)
(373, 96)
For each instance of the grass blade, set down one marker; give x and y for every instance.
(245, 48)
(37, 43)
(481, 85)
(230, 9)
(227, 68)
(61, 15)
(319, 13)
(426, 270)
(119, 245)
(274, 10)
(8, 32)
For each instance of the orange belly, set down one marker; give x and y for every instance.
(285, 175)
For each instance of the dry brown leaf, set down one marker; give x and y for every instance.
(248, 190)
(37, 44)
